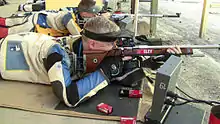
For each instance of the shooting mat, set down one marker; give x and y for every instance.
(122, 106)
(40, 98)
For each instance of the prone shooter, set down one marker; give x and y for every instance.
(52, 23)
(41, 59)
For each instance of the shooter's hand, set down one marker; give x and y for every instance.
(113, 68)
(155, 62)
(174, 50)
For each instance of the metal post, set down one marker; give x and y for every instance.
(153, 21)
(203, 24)
(136, 17)
(132, 6)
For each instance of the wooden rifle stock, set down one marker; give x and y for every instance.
(94, 59)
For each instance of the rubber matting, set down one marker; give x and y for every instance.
(121, 106)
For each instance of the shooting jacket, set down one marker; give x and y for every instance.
(38, 58)
(53, 23)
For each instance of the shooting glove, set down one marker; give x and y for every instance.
(111, 66)
(114, 69)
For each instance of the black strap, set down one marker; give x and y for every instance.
(105, 37)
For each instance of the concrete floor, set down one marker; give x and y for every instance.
(12, 116)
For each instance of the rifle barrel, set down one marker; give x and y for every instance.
(215, 46)
(148, 15)
(142, 15)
